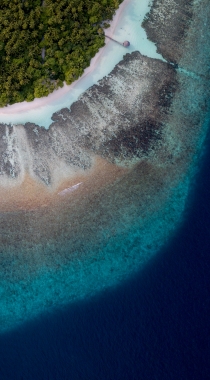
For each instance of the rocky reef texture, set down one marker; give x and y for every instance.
(119, 119)
(167, 25)
(196, 48)
(141, 125)
(132, 142)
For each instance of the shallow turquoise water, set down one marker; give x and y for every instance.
(68, 273)
(129, 27)
(105, 245)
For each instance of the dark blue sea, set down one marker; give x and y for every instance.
(154, 326)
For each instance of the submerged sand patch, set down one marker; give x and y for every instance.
(31, 194)
(111, 225)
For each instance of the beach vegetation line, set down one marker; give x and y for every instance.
(46, 42)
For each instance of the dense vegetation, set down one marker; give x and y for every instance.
(44, 43)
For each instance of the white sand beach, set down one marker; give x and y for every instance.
(126, 25)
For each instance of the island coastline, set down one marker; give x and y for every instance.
(110, 226)
(39, 102)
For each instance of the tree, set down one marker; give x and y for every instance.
(68, 30)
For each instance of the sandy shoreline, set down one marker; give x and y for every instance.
(37, 103)
(72, 246)
(31, 194)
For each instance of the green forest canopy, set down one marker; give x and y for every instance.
(44, 43)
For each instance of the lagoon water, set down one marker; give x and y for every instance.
(122, 312)
(100, 268)
(129, 28)
(155, 325)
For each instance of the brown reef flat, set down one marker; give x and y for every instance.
(103, 125)
(167, 25)
(129, 140)
(134, 141)
(31, 194)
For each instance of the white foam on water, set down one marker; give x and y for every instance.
(126, 25)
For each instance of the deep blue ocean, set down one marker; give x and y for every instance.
(156, 325)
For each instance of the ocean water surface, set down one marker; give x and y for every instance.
(131, 303)
(37, 276)
(155, 325)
